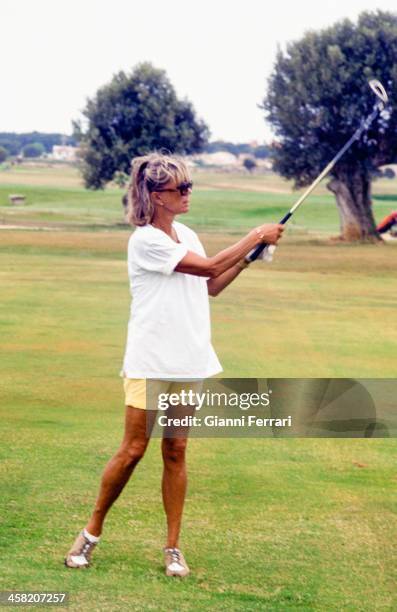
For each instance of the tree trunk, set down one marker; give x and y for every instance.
(353, 197)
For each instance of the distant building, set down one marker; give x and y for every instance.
(64, 153)
(221, 159)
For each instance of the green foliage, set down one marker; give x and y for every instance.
(3, 154)
(14, 142)
(389, 173)
(261, 152)
(133, 114)
(249, 164)
(318, 94)
(230, 147)
(120, 179)
(34, 149)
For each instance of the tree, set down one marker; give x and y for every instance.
(230, 147)
(249, 164)
(33, 149)
(14, 142)
(120, 179)
(389, 173)
(318, 94)
(134, 114)
(262, 152)
(3, 154)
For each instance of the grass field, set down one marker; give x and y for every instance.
(269, 524)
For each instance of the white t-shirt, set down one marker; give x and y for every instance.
(169, 334)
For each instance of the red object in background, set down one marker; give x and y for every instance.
(387, 223)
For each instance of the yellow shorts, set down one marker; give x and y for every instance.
(144, 393)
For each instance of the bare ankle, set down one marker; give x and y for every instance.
(93, 530)
(172, 543)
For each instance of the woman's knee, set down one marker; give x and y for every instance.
(174, 450)
(132, 453)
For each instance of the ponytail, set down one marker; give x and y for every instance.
(140, 207)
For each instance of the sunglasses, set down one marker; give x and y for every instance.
(183, 188)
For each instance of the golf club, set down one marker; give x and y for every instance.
(379, 106)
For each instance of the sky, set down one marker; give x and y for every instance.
(217, 53)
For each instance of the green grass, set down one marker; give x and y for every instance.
(337, 314)
(219, 203)
(269, 524)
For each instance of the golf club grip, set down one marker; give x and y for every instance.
(261, 247)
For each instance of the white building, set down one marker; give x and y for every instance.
(64, 153)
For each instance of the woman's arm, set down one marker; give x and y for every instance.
(218, 284)
(226, 259)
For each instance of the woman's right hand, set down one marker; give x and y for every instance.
(269, 233)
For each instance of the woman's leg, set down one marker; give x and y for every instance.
(174, 486)
(174, 481)
(138, 427)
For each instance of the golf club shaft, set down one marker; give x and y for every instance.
(362, 128)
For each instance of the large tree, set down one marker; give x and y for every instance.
(3, 154)
(317, 95)
(134, 114)
(34, 149)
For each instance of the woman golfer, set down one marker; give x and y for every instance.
(169, 339)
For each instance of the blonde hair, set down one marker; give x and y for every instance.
(151, 172)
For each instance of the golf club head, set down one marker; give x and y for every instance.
(380, 92)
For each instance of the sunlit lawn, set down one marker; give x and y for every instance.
(269, 524)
